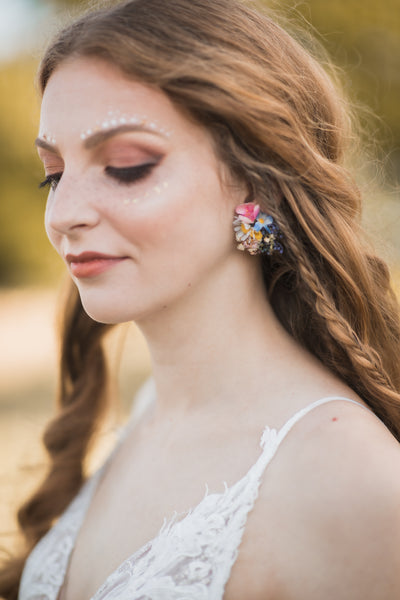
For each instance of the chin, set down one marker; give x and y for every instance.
(122, 306)
(102, 312)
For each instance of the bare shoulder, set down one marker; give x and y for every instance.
(331, 498)
(346, 452)
(346, 440)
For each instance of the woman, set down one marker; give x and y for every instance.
(162, 123)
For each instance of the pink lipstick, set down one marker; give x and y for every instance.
(90, 264)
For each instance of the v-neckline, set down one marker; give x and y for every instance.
(90, 487)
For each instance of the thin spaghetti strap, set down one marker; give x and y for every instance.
(284, 430)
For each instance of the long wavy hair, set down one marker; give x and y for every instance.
(280, 124)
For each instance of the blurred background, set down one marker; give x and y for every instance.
(362, 37)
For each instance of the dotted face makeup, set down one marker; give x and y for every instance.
(47, 137)
(156, 189)
(116, 119)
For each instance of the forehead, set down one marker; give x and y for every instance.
(83, 91)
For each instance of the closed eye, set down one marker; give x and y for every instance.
(51, 181)
(125, 175)
(129, 175)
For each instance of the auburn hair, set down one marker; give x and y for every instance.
(280, 124)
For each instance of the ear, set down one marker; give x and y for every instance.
(241, 191)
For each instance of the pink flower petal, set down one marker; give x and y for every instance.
(249, 210)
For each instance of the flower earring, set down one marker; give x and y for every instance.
(256, 231)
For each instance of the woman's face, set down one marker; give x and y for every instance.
(136, 206)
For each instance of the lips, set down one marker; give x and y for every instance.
(91, 264)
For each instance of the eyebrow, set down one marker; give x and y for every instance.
(39, 143)
(99, 137)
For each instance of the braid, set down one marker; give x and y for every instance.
(313, 287)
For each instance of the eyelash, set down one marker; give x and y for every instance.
(124, 175)
(129, 175)
(51, 181)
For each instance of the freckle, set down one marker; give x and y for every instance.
(189, 285)
(334, 419)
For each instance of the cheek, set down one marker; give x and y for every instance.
(177, 218)
(175, 238)
(145, 227)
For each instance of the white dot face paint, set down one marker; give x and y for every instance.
(116, 118)
(156, 190)
(48, 137)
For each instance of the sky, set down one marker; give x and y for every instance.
(20, 25)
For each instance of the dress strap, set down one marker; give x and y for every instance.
(284, 430)
(271, 439)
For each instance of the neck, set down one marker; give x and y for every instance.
(222, 341)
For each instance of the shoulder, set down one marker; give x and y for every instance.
(344, 448)
(335, 487)
(350, 461)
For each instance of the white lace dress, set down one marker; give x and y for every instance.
(190, 558)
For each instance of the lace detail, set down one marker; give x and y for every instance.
(47, 564)
(191, 557)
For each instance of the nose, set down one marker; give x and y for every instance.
(71, 208)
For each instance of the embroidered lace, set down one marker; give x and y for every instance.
(191, 557)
